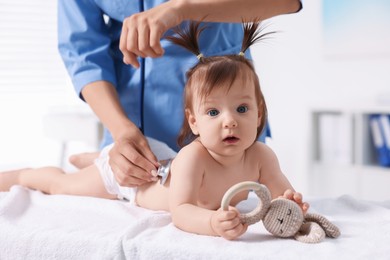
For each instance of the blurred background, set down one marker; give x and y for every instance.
(324, 75)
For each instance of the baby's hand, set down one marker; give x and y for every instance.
(297, 197)
(227, 224)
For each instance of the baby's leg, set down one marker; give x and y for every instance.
(9, 179)
(83, 160)
(53, 180)
(86, 182)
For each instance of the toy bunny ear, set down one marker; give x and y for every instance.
(262, 207)
(316, 228)
(331, 230)
(310, 232)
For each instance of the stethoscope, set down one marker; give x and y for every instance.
(142, 82)
(165, 165)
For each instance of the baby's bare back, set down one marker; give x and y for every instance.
(217, 179)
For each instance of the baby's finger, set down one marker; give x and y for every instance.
(244, 228)
(230, 224)
(297, 197)
(226, 215)
(288, 194)
(305, 207)
(235, 233)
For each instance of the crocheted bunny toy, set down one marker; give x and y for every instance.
(282, 217)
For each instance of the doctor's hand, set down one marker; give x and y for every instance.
(131, 159)
(227, 224)
(141, 32)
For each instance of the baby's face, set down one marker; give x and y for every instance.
(227, 121)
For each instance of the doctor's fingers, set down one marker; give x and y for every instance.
(131, 59)
(126, 180)
(144, 31)
(136, 151)
(128, 57)
(139, 39)
(143, 148)
(129, 162)
(133, 177)
(149, 42)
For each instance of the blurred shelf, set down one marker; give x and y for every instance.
(343, 158)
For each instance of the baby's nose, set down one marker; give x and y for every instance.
(229, 122)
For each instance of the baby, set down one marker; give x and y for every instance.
(225, 112)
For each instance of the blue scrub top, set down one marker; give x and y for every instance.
(89, 47)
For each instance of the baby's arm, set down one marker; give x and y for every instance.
(186, 180)
(272, 176)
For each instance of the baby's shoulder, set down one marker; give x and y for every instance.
(194, 152)
(259, 148)
(260, 152)
(190, 160)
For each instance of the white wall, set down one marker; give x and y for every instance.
(33, 81)
(296, 76)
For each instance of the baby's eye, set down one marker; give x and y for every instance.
(213, 112)
(242, 109)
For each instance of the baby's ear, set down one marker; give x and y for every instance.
(259, 116)
(191, 121)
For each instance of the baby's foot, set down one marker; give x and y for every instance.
(83, 160)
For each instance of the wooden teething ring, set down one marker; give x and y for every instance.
(248, 218)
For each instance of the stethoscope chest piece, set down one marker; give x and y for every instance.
(163, 170)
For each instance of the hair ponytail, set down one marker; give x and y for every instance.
(252, 34)
(188, 38)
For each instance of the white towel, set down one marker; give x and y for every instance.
(38, 226)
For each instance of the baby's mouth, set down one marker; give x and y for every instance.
(231, 139)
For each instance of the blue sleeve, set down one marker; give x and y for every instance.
(84, 43)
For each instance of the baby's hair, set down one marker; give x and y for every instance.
(252, 34)
(217, 71)
(188, 37)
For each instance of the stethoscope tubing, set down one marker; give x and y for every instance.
(142, 82)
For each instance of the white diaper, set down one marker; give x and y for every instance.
(160, 149)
